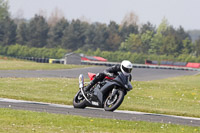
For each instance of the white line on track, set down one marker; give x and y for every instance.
(197, 74)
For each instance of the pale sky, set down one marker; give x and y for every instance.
(178, 12)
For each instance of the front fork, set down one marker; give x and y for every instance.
(114, 91)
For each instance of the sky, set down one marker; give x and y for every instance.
(185, 13)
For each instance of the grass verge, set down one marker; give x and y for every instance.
(175, 96)
(26, 121)
(28, 65)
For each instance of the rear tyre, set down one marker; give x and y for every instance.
(112, 103)
(79, 101)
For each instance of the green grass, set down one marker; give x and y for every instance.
(175, 96)
(53, 90)
(12, 64)
(16, 121)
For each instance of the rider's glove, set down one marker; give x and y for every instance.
(110, 75)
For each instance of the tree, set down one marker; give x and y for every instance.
(182, 34)
(101, 36)
(4, 13)
(197, 47)
(163, 26)
(22, 34)
(90, 37)
(37, 32)
(7, 31)
(133, 44)
(128, 25)
(169, 46)
(74, 36)
(125, 31)
(157, 40)
(113, 41)
(56, 33)
(4, 17)
(156, 43)
(187, 46)
(11, 28)
(182, 41)
(185, 41)
(146, 39)
(2, 31)
(147, 27)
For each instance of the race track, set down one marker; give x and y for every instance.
(140, 74)
(98, 113)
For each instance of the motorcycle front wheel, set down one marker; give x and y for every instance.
(113, 102)
(79, 101)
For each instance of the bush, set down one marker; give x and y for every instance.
(117, 56)
(25, 51)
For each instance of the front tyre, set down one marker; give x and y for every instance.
(112, 103)
(79, 101)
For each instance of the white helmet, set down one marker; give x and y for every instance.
(126, 67)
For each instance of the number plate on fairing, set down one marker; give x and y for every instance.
(95, 103)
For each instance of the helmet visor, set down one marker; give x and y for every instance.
(127, 70)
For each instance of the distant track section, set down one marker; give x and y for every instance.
(138, 74)
(140, 65)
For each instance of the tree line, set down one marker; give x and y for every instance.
(65, 34)
(145, 39)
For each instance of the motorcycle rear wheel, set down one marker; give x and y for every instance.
(79, 101)
(113, 103)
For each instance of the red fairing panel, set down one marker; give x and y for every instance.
(91, 75)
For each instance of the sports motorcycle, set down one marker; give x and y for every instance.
(107, 94)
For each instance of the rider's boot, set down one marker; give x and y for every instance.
(97, 78)
(91, 84)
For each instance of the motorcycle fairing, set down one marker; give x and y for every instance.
(91, 75)
(100, 92)
(123, 82)
(99, 95)
(108, 86)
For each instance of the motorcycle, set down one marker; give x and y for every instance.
(107, 94)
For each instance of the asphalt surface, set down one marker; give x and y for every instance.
(99, 113)
(140, 74)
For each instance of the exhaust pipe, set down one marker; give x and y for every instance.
(81, 86)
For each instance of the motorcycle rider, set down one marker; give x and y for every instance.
(125, 67)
